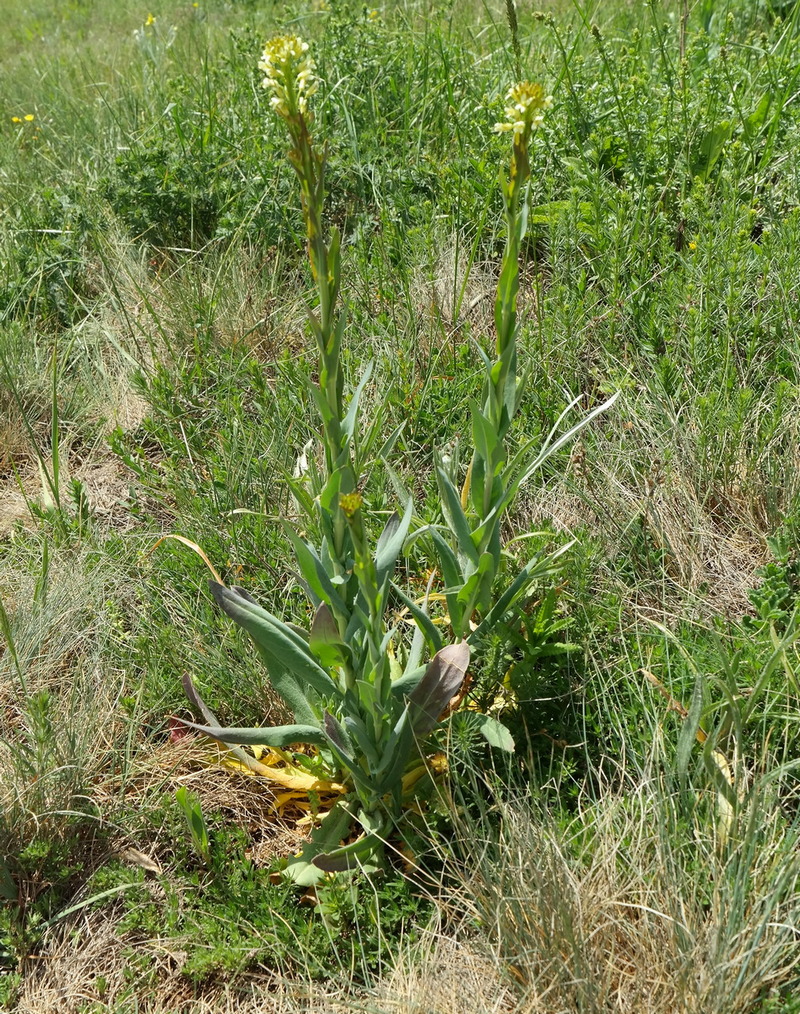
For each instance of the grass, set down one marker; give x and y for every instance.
(153, 350)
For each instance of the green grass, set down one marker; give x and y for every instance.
(153, 358)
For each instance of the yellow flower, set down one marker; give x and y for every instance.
(30, 118)
(350, 503)
(373, 14)
(526, 109)
(150, 20)
(693, 246)
(289, 75)
(16, 119)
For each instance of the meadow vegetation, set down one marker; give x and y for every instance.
(638, 850)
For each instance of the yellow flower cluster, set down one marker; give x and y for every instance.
(289, 74)
(526, 109)
(350, 503)
(24, 119)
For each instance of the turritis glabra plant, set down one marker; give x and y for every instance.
(368, 698)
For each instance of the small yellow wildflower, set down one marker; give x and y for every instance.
(525, 113)
(16, 119)
(29, 118)
(150, 20)
(289, 74)
(373, 14)
(693, 245)
(350, 503)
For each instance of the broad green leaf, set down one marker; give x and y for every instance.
(349, 857)
(408, 682)
(286, 687)
(422, 631)
(276, 638)
(756, 120)
(337, 735)
(8, 889)
(358, 731)
(710, 148)
(329, 497)
(321, 403)
(455, 517)
(279, 736)
(687, 738)
(483, 434)
(390, 543)
(325, 640)
(334, 264)
(324, 839)
(301, 700)
(396, 754)
(496, 734)
(451, 572)
(313, 572)
(349, 421)
(536, 568)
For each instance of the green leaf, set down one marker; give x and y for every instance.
(313, 573)
(408, 682)
(496, 734)
(754, 123)
(710, 149)
(8, 889)
(280, 736)
(425, 631)
(349, 421)
(483, 434)
(325, 640)
(277, 639)
(451, 572)
(349, 857)
(519, 471)
(286, 687)
(396, 754)
(390, 543)
(687, 739)
(536, 568)
(329, 497)
(357, 730)
(324, 839)
(338, 737)
(455, 517)
(338, 743)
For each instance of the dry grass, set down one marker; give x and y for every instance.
(628, 909)
(692, 533)
(57, 698)
(84, 962)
